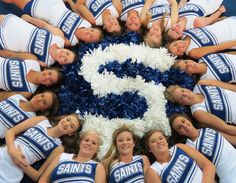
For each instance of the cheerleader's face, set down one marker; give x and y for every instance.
(42, 101)
(178, 47)
(64, 56)
(182, 126)
(154, 35)
(175, 32)
(125, 143)
(189, 66)
(48, 77)
(183, 96)
(133, 23)
(157, 143)
(90, 35)
(89, 144)
(111, 24)
(68, 125)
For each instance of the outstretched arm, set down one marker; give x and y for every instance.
(5, 94)
(44, 25)
(146, 165)
(197, 53)
(118, 5)
(211, 82)
(84, 11)
(182, 3)
(19, 55)
(204, 21)
(72, 5)
(174, 14)
(145, 15)
(207, 167)
(212, 121)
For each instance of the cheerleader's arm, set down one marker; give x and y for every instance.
(152, 176)
(145, 15)
(118, 5)
(46, 167)
(212, 121)
(197, 53)
(84, 11)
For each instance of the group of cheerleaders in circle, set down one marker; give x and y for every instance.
(30, 45)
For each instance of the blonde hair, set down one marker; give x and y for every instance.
(91, 132)
(113, 154)
(168, 93)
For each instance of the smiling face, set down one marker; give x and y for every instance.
(64, 56)
(90, 35)
(125, 143)
(133, 23)
(42, 101)
(157, 143)
(68, 124)
(182, 126)
(178, 47)
(189, 66)
(89, 144)
(111, 24)
(48, 77)
(183, 96)
(154, 36)
(175, 32)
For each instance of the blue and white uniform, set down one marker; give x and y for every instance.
(13, 74)
(57, 14)
(219, 151)
(28, 38)
(198, 8)
(128, 172)
(11, 114)
(157, 10)
(181, 168)
(220, 67)
(98, 7)
(212, 34)
(218, 101)
(35, 144)
(69, 170)
(128, 5)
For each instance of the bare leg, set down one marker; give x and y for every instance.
(204, 21)
(20, 3)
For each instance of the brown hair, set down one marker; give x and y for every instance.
(112, 155)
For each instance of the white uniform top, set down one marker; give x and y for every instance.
(69, 170)
(131, 172)
(28, 38)
(212, 34)
(11, 114)
(36, 144)
(57, 14)
(158, 9)
(128, 5)
(13, 74)
(198, 8)
(181, 168)
(220, 66)
(218, 150)
(98, 7)
(218, 101)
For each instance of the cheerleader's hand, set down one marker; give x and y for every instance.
(18, 158)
